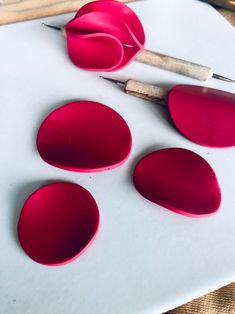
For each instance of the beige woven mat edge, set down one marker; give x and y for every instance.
(221, 301)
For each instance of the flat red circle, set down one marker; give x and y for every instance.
(180, 180)
(84, 136)
(57, 223)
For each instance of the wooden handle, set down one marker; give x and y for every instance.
(229, 15)
(8, 1)
(180, 66)
(227, 4)
(12, 11)
(146, 91)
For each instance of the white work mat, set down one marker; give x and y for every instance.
(145, 258)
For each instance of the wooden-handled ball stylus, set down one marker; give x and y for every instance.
(204, 115)
(180, 66)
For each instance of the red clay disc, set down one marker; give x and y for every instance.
(57, 223)
(180, 180)
(84, 136)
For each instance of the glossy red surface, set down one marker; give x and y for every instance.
(84, 136)
(180, 180)
(204, 115)
(104, 36)
(57, 223)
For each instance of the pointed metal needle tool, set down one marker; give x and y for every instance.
(52, 26)
(222, 78)
(113, 81)
(155, 59)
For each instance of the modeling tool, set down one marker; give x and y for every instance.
(204, 115)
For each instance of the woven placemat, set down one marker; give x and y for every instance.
(221, 301)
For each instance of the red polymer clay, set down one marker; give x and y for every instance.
(84, 136)
(104, 36)
(180, 180)
(57, 223)
(204, 115)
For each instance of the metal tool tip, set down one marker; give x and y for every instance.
(113, 80)
(223, 78)
(51, 26)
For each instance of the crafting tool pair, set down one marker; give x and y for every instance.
(107, 35)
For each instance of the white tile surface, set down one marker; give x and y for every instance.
(145, 259)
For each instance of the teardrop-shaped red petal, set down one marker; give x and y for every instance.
(180, 180)
(84, 136)
(204, 115)
(58, 223)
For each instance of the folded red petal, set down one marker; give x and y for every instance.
(95, 52)
(104, 36)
